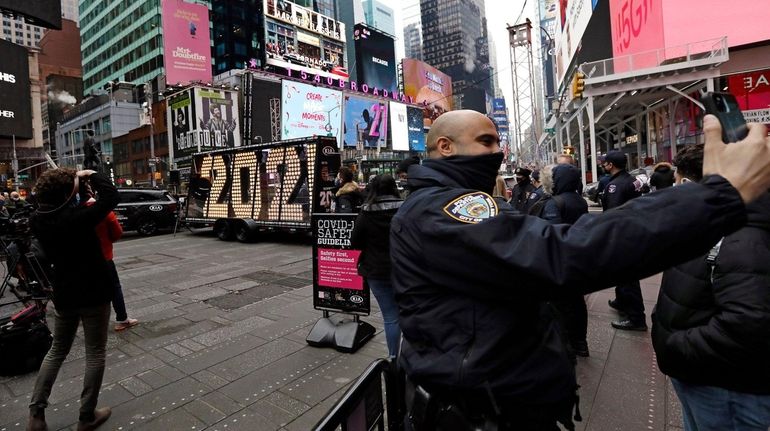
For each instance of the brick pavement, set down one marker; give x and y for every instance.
(221, 347)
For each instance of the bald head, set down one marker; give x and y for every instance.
(462, 132)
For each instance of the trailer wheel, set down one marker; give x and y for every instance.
(224, 230)
(246, 230)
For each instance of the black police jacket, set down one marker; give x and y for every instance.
(472, 275)
(520, 195)
(719, 334)
(621, 188)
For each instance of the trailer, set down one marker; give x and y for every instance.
(246, 190)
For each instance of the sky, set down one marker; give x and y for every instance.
(499, 14)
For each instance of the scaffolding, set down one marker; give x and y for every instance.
(526, 127)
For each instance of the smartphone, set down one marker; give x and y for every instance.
(725, 108)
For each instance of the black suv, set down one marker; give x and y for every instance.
(146, 211)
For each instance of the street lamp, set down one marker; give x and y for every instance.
(148, 106)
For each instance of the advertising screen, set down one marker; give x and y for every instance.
(15, 104)
(375, 58)
(186, 42)
(263, 94)
(217, 118)
(426, 84)
(301, 39)
(45, 13)
(742, 21)
(366, 122)
(752, 91)
(307, 111)
(578, 14)
(399, 127)
(637, 27)
(416, 133)
(498, 104)
(182, 136)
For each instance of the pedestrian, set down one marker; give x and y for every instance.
(662, 176)
(565, 159)
(523, 188)
(711, 324)
(621, 188)
(348, 198)
(537, 194)
(500, 190)
(82, 285)
(16, 204)
(109, 231)
(561, 183)
(472, 276)
(402, 171)
(371, 235)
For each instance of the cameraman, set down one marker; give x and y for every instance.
(82, 284)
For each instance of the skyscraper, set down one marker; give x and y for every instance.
(236, 24)
(413, 41)
(16, 30)
(379, 16)
(120, 42)
(455, 42)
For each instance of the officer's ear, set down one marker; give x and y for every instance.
(445, 146)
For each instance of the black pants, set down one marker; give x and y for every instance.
(629, 298)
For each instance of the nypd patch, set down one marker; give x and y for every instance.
(612, 188)
(472, 207)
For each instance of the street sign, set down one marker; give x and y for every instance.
(22, 176)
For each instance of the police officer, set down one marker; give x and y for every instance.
(522, 190)
(472, 276)
(621, 188)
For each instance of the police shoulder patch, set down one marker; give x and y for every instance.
(612, 188)
(472, 207)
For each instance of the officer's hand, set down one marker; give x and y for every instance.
(745, 164)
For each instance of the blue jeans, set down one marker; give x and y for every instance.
(709, 408)
(386, 298)
(118, 303)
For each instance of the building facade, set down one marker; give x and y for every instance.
(379, 16)
(236, 33)
(454, 41)
(120, 41)
(413, 41)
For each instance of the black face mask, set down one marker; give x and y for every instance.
(478, 172)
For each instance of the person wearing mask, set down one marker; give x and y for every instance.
(621, 188)
(711, 324)
(473, 277)
(662, 176)
(371, 235)
(348, 198)
(82, 284)
(522, 190)
(537, 194)
(562, 183)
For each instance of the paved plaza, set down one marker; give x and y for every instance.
(221, 346)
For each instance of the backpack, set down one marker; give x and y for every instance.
(537, 208)
(23, 346)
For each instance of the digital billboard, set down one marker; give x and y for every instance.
(186, 42)
(182, 136)
(217, 117)
(15, 103)
(366, 122)
(399, 127)
(578, 14)
(498, 104)
(263, 94)
(44, 13)
(375, 58)
(307, 111)
(426, 84)
(416, 133)
(301, 39)
(752, 91)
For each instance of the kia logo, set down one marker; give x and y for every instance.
(356, 299)
(156, 207)
(327, 151)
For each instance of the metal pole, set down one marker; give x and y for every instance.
(148, 98)
(15, 164)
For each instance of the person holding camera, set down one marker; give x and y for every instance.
(82, 284)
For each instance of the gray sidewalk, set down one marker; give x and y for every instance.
(221, 346)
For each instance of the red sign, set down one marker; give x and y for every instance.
(637, 27)
(339, 268)
(752, 90)
(186, 42)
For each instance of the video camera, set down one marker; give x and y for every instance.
(17, 225)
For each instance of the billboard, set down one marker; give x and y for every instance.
(15, 103)
(574, 24)
(307, 111)
(426, 84)
(263, 93)
(498, 104)
(301, 39)
(186, 42)
(202, 119)
(366, 122)
(752, 90)
(44, 13)
(414, 117)
(375, 58)
(399, 127)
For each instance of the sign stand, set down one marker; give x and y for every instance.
(337, 287)
(345, 335)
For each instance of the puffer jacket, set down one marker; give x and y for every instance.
(719, 334)
(371, 235)
(566, 183)
(348, 198)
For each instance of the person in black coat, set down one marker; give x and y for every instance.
(662, 176)
(348, 198)
(371, 235)
(711, 324)
(621, 188)
(82, 284)
(522, 190)
(565, 205)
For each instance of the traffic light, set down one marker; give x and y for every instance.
(578, 85)
(569, 150)
(9, 183)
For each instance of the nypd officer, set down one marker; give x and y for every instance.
(472, 275)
